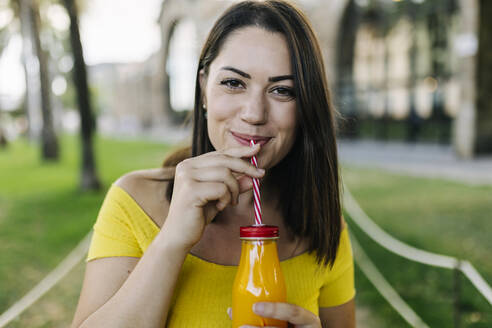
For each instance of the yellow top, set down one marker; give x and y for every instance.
(204, 289)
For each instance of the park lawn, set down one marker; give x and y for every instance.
(439, 216)
(43, 215)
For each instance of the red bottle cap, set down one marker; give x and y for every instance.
(259, 231)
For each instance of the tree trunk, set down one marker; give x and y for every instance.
(3, 138)
(31, 77)
(345, 84)
(483, 142)
(89, 178)
(413, 120)
(49, 140)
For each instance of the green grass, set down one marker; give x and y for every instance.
(43, 215)
(435, 215)
(57, 307)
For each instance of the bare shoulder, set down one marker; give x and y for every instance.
(148, 189)
(158, 174)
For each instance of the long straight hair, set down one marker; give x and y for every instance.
(307, 180)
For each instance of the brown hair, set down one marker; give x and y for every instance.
(307, 180)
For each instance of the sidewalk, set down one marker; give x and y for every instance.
(423, 160)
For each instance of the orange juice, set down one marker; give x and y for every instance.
(259, 277)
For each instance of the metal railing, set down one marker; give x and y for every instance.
(359, 217)
(382, 238)
(51, 280)
(372, 273)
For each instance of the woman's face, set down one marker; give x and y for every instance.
(249, 94)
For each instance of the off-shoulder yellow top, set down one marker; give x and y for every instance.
(204, 289)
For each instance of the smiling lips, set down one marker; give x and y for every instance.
(244, 139)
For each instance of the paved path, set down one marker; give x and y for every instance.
(434, 161)
(426, 160)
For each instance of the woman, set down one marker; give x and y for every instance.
(165, 245)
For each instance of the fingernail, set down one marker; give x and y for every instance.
(258, 308)
(261, 171)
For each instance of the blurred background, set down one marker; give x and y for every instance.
(92, 89)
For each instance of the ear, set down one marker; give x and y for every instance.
(202, 79)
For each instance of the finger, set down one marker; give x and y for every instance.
(219, 174)
(238, 152)
(210, 211)
(207, 192)
(287, 312)
(229, 312)
(224, 200)
(245, 183)
(233, 163)
(243, 151)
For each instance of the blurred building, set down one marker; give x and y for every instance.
(401, 70)
(129, 96)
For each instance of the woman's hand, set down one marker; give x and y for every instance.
(295, 315)
(205, 185)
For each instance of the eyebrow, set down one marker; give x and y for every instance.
(280, 78)
(246, 75)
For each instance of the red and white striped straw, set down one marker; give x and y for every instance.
(256, 191)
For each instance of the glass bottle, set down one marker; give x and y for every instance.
(258, 278)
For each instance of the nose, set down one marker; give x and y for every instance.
(255, 110)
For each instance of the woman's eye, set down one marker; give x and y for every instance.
(284, 92)
(232, 83)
